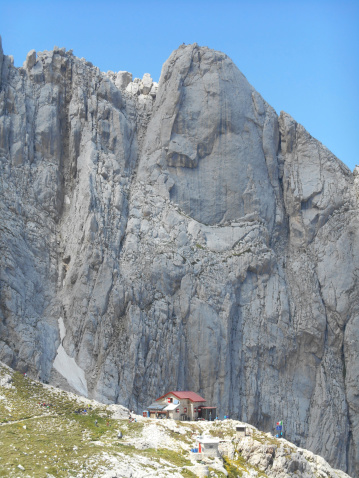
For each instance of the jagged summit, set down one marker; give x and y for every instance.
(179, 237)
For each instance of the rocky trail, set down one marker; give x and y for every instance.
(63, 443)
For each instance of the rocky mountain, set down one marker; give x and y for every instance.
(178, 236)
(90, 444)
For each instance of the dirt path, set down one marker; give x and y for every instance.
(30, 418)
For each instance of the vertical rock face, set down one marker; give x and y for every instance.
(207, 131)
(179, 236)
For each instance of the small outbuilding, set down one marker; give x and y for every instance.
(207, 447)
(157, 410)
(242, 431)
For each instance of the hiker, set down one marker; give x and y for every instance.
(119, 435)
(95, 423)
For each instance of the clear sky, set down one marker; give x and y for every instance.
(301, 56)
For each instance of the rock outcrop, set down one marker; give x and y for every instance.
(178, 236)
(121, 448)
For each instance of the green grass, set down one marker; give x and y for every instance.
(186, 438)
(177, 460)
(169, 455)
(236, 467)
(223, 430)
(60, 442)
(265, 439)
(187, 473)
(47, 443)
(218, 473)
(132, 428)
(44, 444)
(50, 442)
(57, 441)
(233, 471)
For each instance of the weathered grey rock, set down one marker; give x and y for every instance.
(154, 89)
(30, 60)
(283, 460)
(146, 84)
(1, 59)
(123, 78)
(133, 87)
(187, 237)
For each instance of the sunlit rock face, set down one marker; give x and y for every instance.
(178, 236)
(210, 131)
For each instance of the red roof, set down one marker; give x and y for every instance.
(194, 397)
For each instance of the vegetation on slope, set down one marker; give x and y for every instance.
(45, 432)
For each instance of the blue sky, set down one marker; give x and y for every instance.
(302, 56)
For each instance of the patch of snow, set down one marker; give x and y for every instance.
(62, 329)
(68, 367)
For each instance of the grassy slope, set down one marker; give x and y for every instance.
(54, 441)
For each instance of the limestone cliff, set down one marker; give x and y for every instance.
(179, 236)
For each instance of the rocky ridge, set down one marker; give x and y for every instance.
(33, 414)
(178, 236)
